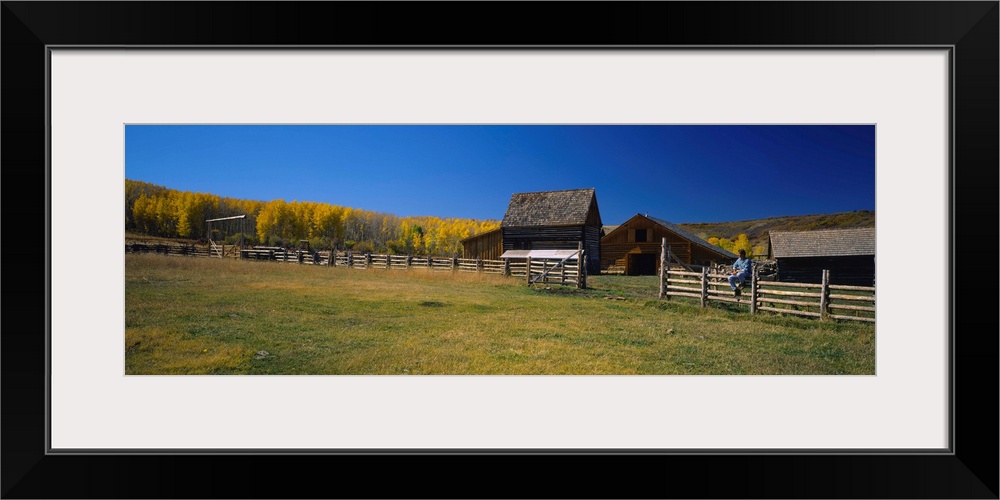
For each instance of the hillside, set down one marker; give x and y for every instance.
(757, 229)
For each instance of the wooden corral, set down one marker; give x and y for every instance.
(801, 256)
(488, 245)
(554, 220)
(550, 266)
(634, 247)
(822, 300)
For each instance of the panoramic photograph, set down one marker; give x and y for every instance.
(499, 250)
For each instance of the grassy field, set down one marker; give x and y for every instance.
(188, 315)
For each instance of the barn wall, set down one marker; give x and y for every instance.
(488, 246)
(593, 215)
(852, 270)
(592, 248)
(557, 238)
(617, 246)
(617, 254)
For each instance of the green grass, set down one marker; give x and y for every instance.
(188, 315)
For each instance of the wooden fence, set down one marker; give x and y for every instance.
(817, 300)
(558, 271)
(189, 250)
(568, 271)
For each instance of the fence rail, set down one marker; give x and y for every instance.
(815, 300)
(190, 250)
(565, 271)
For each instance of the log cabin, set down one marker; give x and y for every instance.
(546, 220)
(634, 247)
(801, 256)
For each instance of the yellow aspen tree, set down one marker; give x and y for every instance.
(183, 214)
(418, 243)
(269, 220)
(139, 214)
(166, 216)
(742, 242)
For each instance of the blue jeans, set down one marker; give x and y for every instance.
(738, 279)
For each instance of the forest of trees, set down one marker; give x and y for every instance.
(158, 211)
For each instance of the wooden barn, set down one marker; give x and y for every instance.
(801, 256)
(554, 220)
(488, 245)
(634, 247)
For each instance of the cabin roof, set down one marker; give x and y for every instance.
(823, 243)
(687, 235)
(550, 208)
(693, 238)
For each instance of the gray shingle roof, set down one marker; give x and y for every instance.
(692, 238)
(549, 208)
(823, 243)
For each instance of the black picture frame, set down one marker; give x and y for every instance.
(970, 29)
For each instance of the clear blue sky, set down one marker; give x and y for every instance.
(681, 173)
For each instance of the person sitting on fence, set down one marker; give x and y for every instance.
(742, 269)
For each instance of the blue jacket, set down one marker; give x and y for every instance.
(743, 265)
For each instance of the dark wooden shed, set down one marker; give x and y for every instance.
(801, 256)
(634, 247)
(554, 220)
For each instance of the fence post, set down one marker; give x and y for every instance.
(824, 295)
(430, 262)
(284, 255)
(409, 261)
(350, 259)
(527, 269)
(581, 268)
(666, 274)
(368, 260)
(479, 265)
(506, 267)
(704, 286)
(753, 291)
(663, 266)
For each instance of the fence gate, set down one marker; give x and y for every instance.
(219, 249)
(563, 267)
